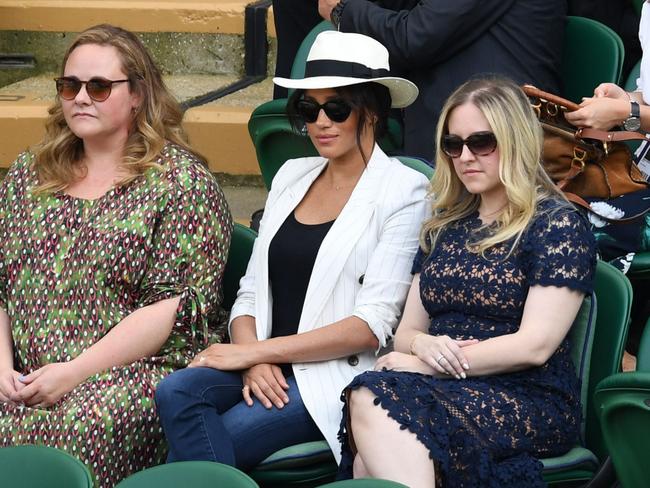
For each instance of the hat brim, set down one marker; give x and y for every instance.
(402, 91)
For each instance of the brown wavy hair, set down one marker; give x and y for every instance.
(156, 121)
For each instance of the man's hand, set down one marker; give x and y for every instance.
(325, 8)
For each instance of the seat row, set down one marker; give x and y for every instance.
(57, 469)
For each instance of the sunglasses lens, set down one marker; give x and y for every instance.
(308, 110)
(452, 146)
(98, 89)
(482, 144)
(479, 143)
(337, 110)
(67, 88)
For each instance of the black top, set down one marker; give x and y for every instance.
(292, 255)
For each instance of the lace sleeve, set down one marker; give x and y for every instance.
(559, 250)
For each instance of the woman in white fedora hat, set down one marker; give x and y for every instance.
(327, 279)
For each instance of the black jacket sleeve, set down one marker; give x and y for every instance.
(423, 33)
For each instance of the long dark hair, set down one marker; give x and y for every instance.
(371, 102)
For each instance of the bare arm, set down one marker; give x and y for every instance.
(347, 336)
(9, 384)
(548, 314)
(140, 334)
(263, 378)
(6, 342)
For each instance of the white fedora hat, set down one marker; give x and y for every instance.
(343, 58)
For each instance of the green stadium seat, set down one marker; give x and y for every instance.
(194, 474)
(364, 483)
(241, 248)
(623, 403)
(593, 54)
(41, 466)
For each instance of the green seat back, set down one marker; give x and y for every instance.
(417, 164)
(593, 54)
(41, 466)
(241, 248)
(623, 402)
(630, 83)
(194, 474)
(581, 336)
(643, 355)
(638, 5)
(364, 483)
(614, 294)
(579, 463)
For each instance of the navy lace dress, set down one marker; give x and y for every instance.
(488, 431)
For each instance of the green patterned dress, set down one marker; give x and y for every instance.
(72, 269)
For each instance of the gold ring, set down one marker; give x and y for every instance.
(201, 359)
(442, 356)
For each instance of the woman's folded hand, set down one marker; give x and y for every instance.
(442, 353)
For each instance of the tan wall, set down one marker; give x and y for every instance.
(218, 16)
(219, 133)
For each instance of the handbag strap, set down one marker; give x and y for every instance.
(614, 136)
(583, 133)
(535, 92)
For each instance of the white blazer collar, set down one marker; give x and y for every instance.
(343, 236)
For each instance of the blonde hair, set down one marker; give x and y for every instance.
(156, 121)
(519, 141)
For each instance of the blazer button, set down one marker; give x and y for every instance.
(353, 360)
(361, 279)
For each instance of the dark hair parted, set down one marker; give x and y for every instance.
(370, 101)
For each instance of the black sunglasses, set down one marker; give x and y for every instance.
(336, 110)
(479, 143)
(98, 89)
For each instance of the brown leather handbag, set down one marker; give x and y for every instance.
(589, 163)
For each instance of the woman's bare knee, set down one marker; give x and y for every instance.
(360, 401)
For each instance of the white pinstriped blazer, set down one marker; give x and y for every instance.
(362, 268)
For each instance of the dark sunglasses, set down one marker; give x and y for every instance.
(479, 143)
(98, 89)
(336, 110)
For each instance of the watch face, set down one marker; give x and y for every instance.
(632, 124)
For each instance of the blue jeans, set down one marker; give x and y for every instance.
(205, 418)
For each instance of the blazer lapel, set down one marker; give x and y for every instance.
(285, 203)
(339, 242)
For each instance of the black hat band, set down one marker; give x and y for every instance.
(330, 67)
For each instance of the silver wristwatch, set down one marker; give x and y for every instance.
(633, 122)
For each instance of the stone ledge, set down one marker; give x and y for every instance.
(217, 16)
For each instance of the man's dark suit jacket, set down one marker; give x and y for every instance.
(439, 44)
